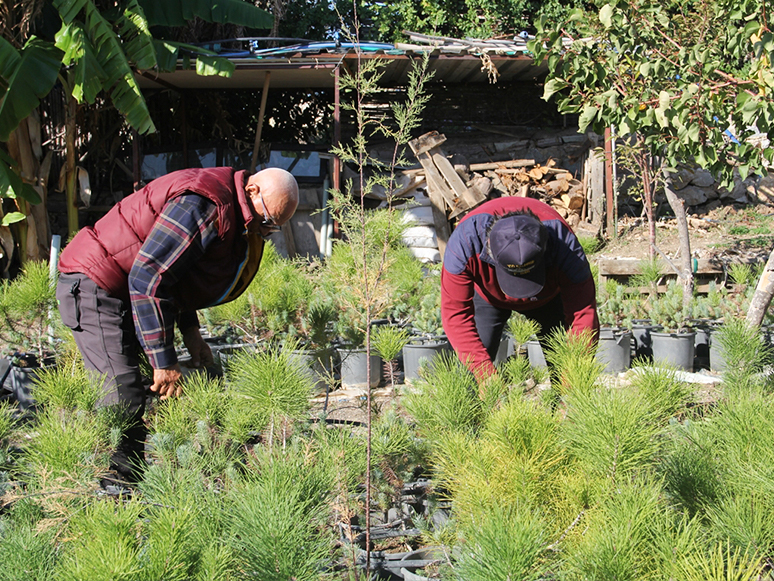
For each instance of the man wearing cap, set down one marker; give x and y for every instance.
(188, 240)
(512, 254)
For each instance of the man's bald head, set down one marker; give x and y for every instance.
(273, 191)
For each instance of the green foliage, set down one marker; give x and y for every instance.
(616, 543)
(669, 310)
(388, 341)
(614, 305)
(611, 432)
(723, 563)
(270, 388)
(665, 393)
(677, 75)
(744, 352)
(691, 470)
(25, 303)
(69, 446)
(522, 329)
(103, 543)
(277, 516)
(26, 553)
(573, 365)
(68, 386)
(506, 543)
(446, 399)
(462, 19)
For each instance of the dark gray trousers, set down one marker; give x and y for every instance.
(104, 332)
(490, 321)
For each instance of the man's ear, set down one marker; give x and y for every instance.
(251, 189)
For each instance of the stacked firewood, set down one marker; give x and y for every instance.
(555, 186)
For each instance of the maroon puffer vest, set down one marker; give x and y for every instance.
(105, 252)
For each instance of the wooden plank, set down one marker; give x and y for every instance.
(426, 142)
(513, 163)
(435, 180)
(460, 189)
(631, 267)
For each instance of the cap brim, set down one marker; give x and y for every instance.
(523, 286)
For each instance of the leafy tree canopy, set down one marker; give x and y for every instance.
(462, 18)
(693, 77)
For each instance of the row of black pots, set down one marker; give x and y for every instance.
(684, 351)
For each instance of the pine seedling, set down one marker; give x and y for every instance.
(675, 538)
(743, 519)
(573, 365)
(71, 447)
(723, 562)
(68, 386)
(506, 543)
(526, 430)
(446, 400)
(277, 516)
(616, 544)
(650, 273)
(741, 273)
(103, 542)
(272, 385)
(522, 329)
(612, 433)
(665, 394)
(744, 353)
(515, 371)
(8, 420)
(27, 554)
(690, 469)
(389, 342)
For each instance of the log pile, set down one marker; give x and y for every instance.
(456, 187)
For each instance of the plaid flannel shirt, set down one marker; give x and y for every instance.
(178, 239)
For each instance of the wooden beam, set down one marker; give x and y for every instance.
(259, 128)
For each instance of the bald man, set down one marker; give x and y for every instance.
(189, 240)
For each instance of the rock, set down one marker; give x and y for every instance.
(682, 178)
(763, 191)
(702, 179)
(693, 196)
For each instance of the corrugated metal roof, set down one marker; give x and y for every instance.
(311, 65)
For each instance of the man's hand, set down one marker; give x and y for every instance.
(166, 382)
(200, 352)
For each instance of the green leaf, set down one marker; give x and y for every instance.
(136, 37)
(10, 181)
(606, 16)
(166, 54)
(214, 65)
(86, 76)
(12, 218)
(29, 76)
(551, 87)
(693, 132)
(30, 194)
(69, 9)
(120, 82)
(587, 117)
(179, 12)
(664, 100)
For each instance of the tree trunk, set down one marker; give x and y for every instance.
(28, 237)
(763, 294)
(70, 193)
(678, 207)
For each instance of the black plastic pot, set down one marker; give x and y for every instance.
(354, 368)
(422, 352)
(319, 363)
(641, 331)
(675, 349)
(614, 349)
(20, 382)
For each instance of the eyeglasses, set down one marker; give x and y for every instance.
(268, 221)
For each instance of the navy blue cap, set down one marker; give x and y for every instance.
(518, 246)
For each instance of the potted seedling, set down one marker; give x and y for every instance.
(615, 336)
(26, 305)
(427, 340)
(674, 343)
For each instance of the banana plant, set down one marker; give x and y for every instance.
(96, 53)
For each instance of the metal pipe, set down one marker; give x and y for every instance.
(324, 223)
